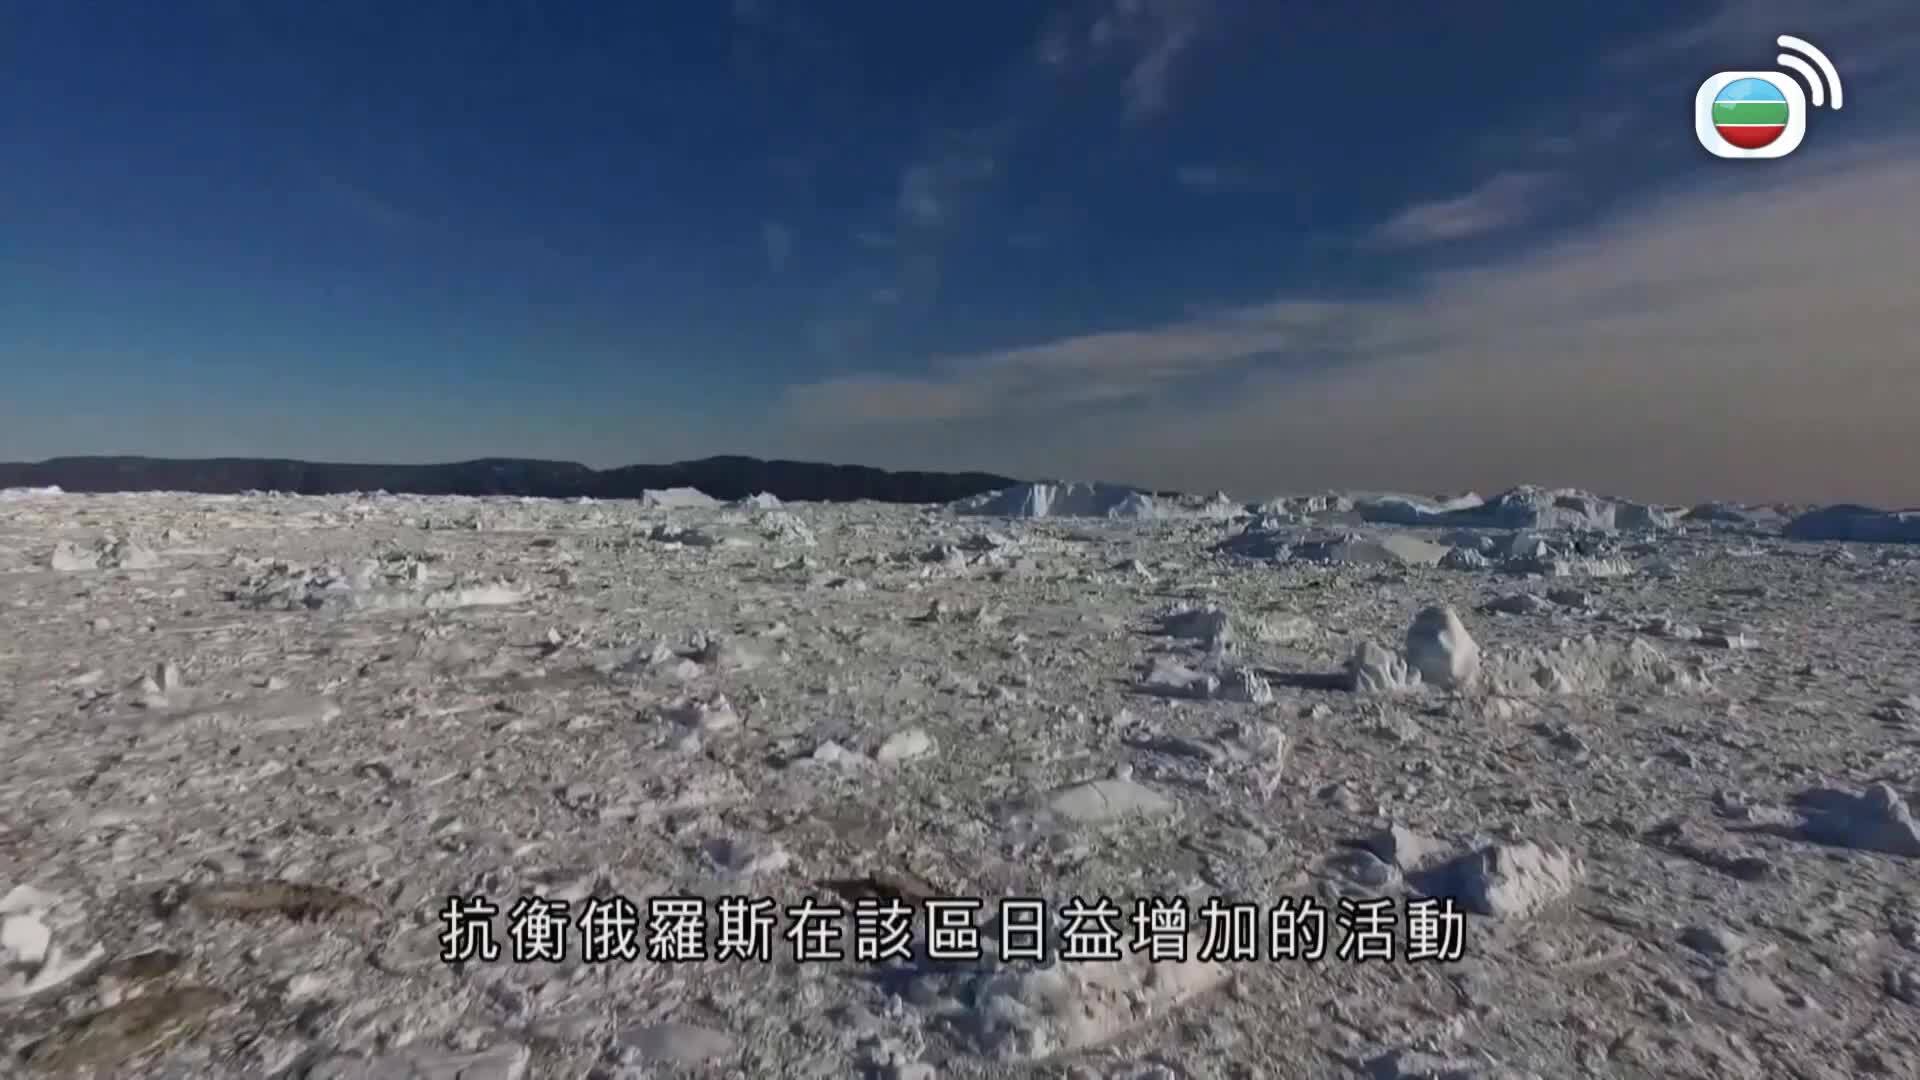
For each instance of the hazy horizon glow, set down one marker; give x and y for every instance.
(1186, 244)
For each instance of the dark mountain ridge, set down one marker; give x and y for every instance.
(726, 477)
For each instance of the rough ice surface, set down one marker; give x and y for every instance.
(1374, 670)
(1662, 762)
(1440, 649)
(1507, 881)
(1060, 500)
(678, 498)
(1412, 509)
(1357, 550)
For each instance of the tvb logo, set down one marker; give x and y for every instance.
(1751, 115)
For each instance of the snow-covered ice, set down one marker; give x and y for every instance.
(1661, 763)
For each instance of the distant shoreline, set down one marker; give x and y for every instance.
(720, 477)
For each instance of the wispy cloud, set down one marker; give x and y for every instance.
(778, 240)
(1703, 345)
(1149, 85)
(1553, 138)
(1863, 36)
(1744, 335)
(1037, 379)
(1503, 201)
(1216, 178)
(836, 336)
(894, 399)
(1148, 41)
(365, 203)
(370, 207)
(920, 201)
(1133, 49)
(1201, 177)
(952, 171)
(752, 12)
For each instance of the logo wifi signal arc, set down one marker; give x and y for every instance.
(1755, 115)
(1827, 73)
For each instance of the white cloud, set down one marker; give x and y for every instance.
(1502, 202)
(1721, 342)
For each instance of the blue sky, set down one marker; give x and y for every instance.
(1198, 243)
